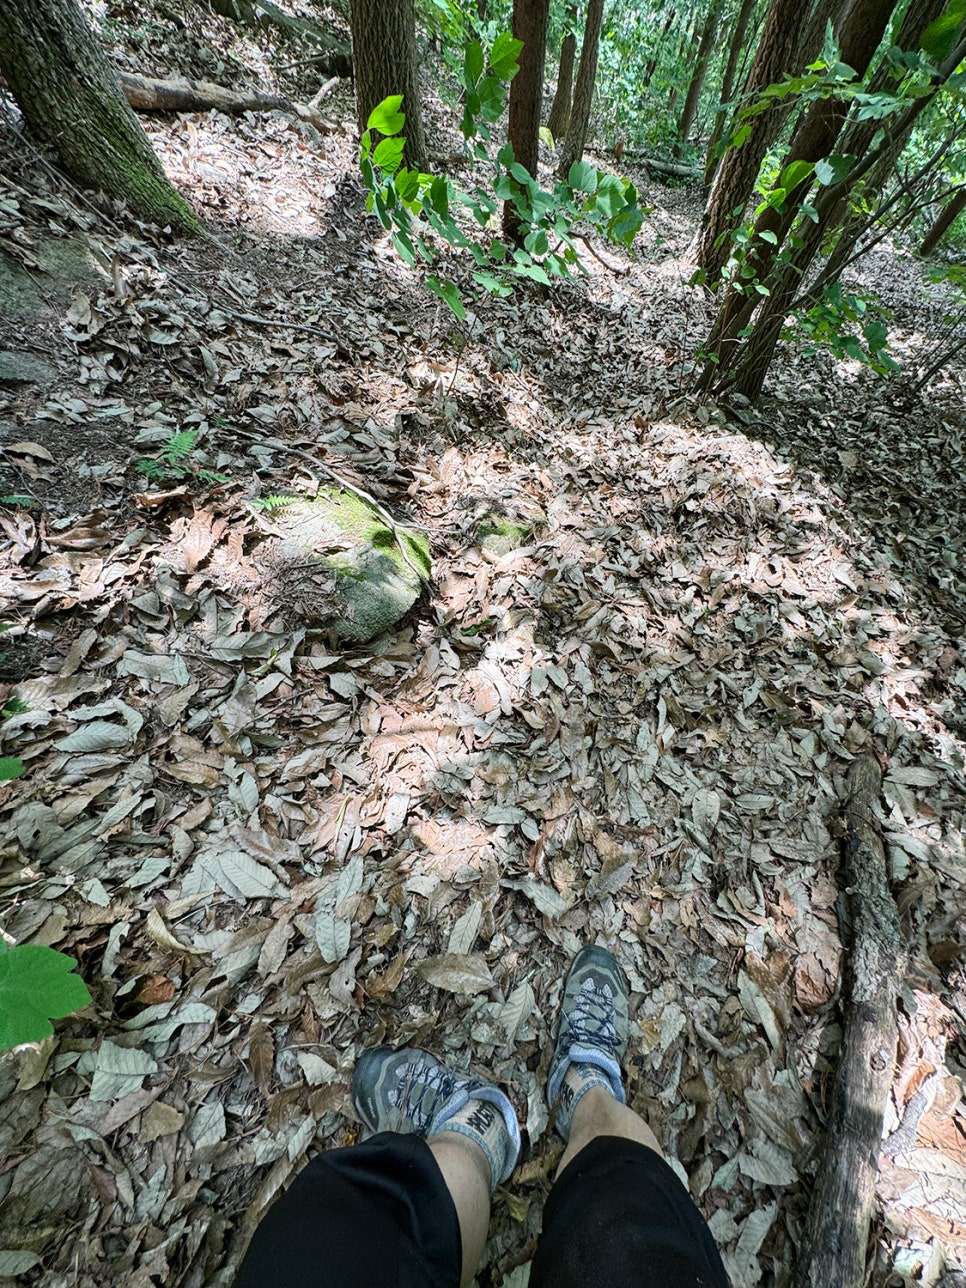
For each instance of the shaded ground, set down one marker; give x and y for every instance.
(634, 728)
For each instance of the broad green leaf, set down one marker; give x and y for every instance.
(447, 292)
(834, 168)
(583, 177)
(547, 138)
(521, 174)
(36, 986)
(388, 154)
(473, 63)
(795, 174)
(10, 767)
(386, 117)
(504, 56)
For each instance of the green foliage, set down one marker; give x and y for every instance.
(849, 326)
(177, 459)
(274, 503)
(36, 986)
(940, 36)
(10, 767)
(21, 500)
(411, 206)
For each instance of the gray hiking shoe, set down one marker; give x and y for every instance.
(593, 1034)
(411, 1091)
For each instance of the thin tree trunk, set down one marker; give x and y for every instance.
(530, 19)
(814, 139)
(73, 105)
(558, 121)
(697, 78)
(573, 148)
(830, 206)
(727, 89)
(776, 55)
(834, 1245)
(384, 62)
(653, 60)
(943, 223)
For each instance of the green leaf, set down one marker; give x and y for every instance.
(795, 174)
(388, 154)
(583, 177)
(10, 767)
(834, 168)
(473, 63)
(387, 118)
(547, 138)
(447, 291)
(504, 56)
(521, 174)
(768, 235)
(36, 986)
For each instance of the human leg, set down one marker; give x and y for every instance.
(617, 1213)
(408, 1208)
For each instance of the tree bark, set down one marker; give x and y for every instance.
(653, 60)
(834, 1244)
(776, 55)
(573, 148)
(944, 222)
(727, 89)
(558, 122)
(526, 95)
(384, 62)
(696, 83)
(73, 105)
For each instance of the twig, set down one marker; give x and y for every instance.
(617, 269)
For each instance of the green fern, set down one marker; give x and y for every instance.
(179, 446)
(172, 462)
(274, 502)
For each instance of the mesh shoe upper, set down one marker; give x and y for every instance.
(593, 1021)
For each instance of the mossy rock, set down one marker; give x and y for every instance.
(64, 263)
(375, 584)
(500, 535)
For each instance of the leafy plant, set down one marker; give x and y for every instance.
(273, 503)
(177, 459)
(412, 205)
(36, 986)
(20, 499)
(850, 326)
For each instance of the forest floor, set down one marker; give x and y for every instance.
(634, 728)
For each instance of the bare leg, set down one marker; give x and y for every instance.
(599, 1114)
(467, 1176)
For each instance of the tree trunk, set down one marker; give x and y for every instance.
(558, 122)
(696, 84)
(727, 89)
(573, 148)
(814, 138)
(652, 61)
(776, 55)
(384, 62)
(73, 105)
(835, 1239)
(526, 95)
(831, 203)
(942, 225)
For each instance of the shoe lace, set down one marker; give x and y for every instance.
(421, 1090)
(591, 1020)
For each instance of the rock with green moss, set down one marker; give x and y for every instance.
(500, 535)
(374, 582)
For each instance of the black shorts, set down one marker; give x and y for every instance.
(379, 1215)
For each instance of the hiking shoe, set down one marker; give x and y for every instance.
(411, 1091)
(593, 1034)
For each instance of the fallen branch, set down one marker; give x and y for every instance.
(834, 1243)
(664, 167)
(145, 94)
